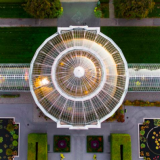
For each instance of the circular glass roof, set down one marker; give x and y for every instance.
(78, 77)
(78, 73)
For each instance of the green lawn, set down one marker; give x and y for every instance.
(138, 44)
(13, 10)
(18, 45)
(12, 1)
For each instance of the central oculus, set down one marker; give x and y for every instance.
(79, 72)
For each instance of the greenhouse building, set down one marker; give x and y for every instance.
(79, 77)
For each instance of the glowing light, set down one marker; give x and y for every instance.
(79, 72)
(61, 64)
(26, 76)
(86, 92)
(44, 81)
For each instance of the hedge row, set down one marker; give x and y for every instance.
(41, 138)
(116, 141)
(141, 103)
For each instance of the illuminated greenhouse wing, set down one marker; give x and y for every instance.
(14, 77)
(144, 77)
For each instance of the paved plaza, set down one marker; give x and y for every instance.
(78, 14)
(24, 113)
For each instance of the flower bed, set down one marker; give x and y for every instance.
(149, 139)
(9, 133)
(141, 103)
(10, 96)
(94, 144)
(61, 143)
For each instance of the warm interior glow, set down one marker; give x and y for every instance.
(44, 81)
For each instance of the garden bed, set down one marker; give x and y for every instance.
(117, 116)
(149, 139)
(156, 11)
(9, 95)
(94, 144)
(61, 143)
(141, 103)
(105, 10)
(9, 138)
(103, 7)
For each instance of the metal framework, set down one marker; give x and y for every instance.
(64, 69)
(144, 77)
(79, 77)
(14, 77)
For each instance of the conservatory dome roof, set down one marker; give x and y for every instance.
(78, 77)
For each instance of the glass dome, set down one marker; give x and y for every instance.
(78, 73)
(78, 77)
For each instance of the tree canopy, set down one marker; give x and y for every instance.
(43, 8)
(133, 8)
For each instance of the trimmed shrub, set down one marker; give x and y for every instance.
(116, 141)
(10, 127)
(8, 152)
(43, 8)
(1, 150)
(1, 139)
(141, 103)
(98, 13)
(9, 96)
(15, 136)
(15, 143)
(41, 138)
(133, 8)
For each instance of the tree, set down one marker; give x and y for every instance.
(133, 8)
(43, 8)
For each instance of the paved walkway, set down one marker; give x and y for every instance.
(29, 22)
(145, 96)
(111, 9)
(130, 22)
(76, 17)
(26, 97)
(23, 113)
(78, 14)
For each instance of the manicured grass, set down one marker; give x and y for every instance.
(156, 11)
(13, 10)
(18, 45)
(41, 139)
(12, 1)
(138, 44)
(116, 141)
